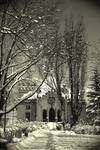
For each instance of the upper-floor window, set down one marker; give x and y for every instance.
(28, 107)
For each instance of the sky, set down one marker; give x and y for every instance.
(90, 12)
(89, 9)
(91, 17)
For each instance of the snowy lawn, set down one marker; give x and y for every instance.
(22, 130)
(86, 129)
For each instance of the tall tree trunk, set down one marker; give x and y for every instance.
(58, 82)
(71, 87)
(76, 96)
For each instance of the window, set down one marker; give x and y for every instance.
(51, 115)
(28, 107)
(44, 115)
(27, 116)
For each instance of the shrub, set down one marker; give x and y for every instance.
(59, 126)
(86, 129)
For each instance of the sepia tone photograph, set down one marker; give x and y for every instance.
(49, 75)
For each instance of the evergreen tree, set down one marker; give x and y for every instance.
(93, 108)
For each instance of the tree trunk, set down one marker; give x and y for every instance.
(71, 86)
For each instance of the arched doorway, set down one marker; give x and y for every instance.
(44, 115)
(51, 115)
(59, 115)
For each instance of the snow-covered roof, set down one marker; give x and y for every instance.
(34, 96)
(44, 89)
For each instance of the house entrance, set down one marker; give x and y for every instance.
(59, 115)
(44, 115)
(51, 115)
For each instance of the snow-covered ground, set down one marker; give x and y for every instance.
(44, 139)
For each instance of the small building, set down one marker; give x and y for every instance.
(43, 106)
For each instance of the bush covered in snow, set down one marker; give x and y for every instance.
(86, 129)
(59, 126)
(19, 129)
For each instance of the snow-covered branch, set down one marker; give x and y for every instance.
(25, 97)
(18, 79)
(14, 75)
(12, 65)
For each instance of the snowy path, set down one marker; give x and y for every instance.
(75, 142)
(58, 140)
(38, 140)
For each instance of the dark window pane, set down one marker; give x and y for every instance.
(28, 107)
(27, 115)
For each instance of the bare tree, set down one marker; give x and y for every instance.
(56, 73)
(12, 31)
(20, 47)
(76, 53)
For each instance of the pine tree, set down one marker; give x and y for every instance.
(93, 108)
